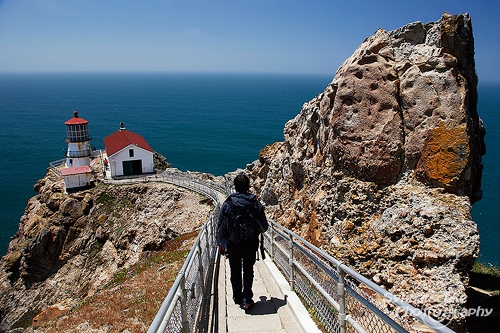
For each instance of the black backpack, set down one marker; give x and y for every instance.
(246, 226)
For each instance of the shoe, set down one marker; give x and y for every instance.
(248, 305)
(237, 300)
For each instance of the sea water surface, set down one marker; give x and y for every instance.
(208, 122)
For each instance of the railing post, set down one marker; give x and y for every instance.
(183, 297)
(290, 262)
(200, 268)
(210, 238)
(272, 242)
(215, 220)
(341, 294)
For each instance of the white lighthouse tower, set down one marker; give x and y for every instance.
(76, 172)
(78, 139)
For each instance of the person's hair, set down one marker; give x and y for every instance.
(241, 183)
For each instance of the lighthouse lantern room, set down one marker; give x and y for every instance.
(78, 139)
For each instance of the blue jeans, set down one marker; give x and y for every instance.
(242, 259)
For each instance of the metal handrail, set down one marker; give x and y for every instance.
(78, 136)
(55, 166)
(175, 314)
(336, 271)
(176, 178)
(178, 291)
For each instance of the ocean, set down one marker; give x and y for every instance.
(208, 122)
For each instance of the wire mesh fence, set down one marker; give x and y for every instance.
(341, 299)
(185, 309)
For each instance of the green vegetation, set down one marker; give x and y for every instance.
(170, 254)
(104, 198)
(96, 247)
(160, 258)
(138, 290)
(488, 269)
(113, 205)
(485, 277)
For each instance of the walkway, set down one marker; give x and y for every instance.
(277, 309)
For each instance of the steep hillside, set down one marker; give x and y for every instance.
(69, 247)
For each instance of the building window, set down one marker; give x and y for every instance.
(130, 153)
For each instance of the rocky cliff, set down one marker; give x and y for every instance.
(70, 246)
(381, 168)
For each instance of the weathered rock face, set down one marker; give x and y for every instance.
(70, 245)
(381, 167)
(405, 101)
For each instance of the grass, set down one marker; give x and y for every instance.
(485, 277)
(131, 299)
(104, 198)
(158, 259)
(488, 269)
(112, 205)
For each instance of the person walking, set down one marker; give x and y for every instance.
(241, 220)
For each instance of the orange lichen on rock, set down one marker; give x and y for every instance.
(445, 155)
(314, 230)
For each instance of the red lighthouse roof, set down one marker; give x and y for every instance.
(76, 120)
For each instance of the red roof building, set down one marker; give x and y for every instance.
(122, 139)
(128, 153)
(76, 177)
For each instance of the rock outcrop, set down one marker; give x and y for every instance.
(70, 245)
(382, 167)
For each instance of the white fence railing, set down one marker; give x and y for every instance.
(188, 301)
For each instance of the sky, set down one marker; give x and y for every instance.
(259, 36)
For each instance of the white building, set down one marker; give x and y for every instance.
(76, 172)
(76, 177)
(128, 153)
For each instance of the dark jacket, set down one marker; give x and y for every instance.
(226, 216)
